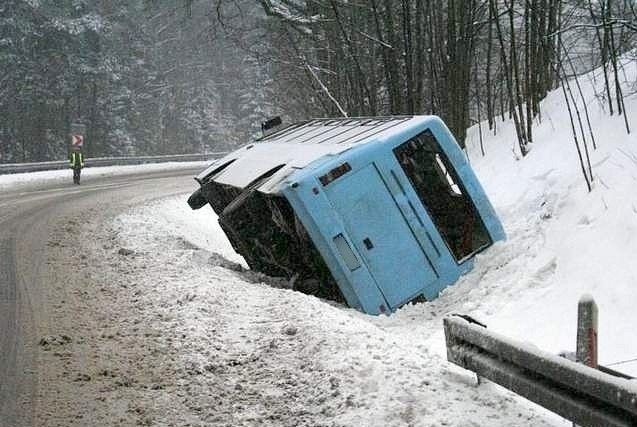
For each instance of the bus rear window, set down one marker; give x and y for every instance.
(441, 192)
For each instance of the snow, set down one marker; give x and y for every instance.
(287, 358)
(23, 181)
(586, 299)
(567, 242)
(298, 353)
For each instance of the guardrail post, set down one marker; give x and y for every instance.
(587, 331)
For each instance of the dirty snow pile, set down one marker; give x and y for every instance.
(285, 358)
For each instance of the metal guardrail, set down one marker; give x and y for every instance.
(577, 392)
(107, 161)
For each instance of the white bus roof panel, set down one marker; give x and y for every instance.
(301, 144)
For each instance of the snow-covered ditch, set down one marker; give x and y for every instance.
(268, 355)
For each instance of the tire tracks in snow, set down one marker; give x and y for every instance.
(38, 381)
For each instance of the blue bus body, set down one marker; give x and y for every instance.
(395, 215)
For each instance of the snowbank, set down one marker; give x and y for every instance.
(266, 355)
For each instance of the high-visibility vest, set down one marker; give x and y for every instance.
(77, 160)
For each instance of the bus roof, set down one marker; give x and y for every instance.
(300, 144)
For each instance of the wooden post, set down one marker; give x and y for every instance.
(587, 331)
(586, 350)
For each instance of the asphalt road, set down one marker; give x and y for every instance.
(26, 220)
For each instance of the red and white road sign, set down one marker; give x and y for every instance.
(77, 140)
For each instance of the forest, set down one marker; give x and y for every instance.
(190, 76)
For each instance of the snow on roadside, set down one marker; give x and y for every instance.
(279, 357)
(23, 181)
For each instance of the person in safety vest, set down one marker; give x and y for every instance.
(77, 163)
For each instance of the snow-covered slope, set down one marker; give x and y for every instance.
(563, 241)
(282, 354)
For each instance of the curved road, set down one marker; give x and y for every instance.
(27, 219)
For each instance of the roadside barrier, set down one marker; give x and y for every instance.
(107, 161)
(582, 394)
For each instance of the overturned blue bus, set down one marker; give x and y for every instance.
(375, 212)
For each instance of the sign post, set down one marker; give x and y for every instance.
(78, 130)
